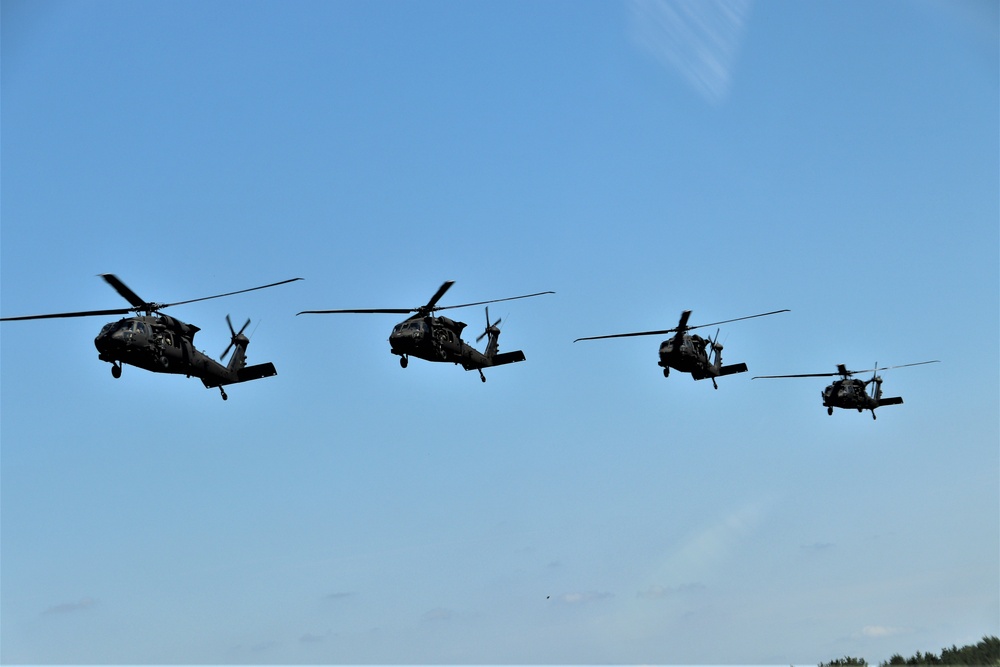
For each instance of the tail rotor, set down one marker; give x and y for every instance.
(490, 328)
(715, 343)
(235, 336)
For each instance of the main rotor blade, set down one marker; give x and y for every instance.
(85, 313)
(919, 363)
(628, 335)
(206, 298)
(886, 368)
(430, 307)
(748, 317)
(681, 326)
(123, 289)
(437, 296)
(480, 303)
(823, 375)
(395, 311)
(801, 375)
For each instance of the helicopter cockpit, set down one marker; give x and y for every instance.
(410, 329)
(126, 326)
(111, 327)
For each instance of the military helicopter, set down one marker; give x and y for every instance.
(848, 392)
(163, 344)
(689, 353)
(436, 338)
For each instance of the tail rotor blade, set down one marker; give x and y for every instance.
(489, 327)
(486, 331)
(234, 335)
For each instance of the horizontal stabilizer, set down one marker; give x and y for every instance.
(507, 358)
(890, 400)
(733, 368)
(256, 372)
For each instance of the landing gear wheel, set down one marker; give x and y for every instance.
(666, 372)
(116, 371)
(223, 392)
(481, 376)
(403, 361)
(829, 411)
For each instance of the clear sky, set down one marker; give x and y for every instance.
(640, 158)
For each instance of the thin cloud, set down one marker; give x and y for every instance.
(698, 39)
(582, 597)
(883, 631)
(665, 592)
(70, 607)
(439, 614)
(338, 596)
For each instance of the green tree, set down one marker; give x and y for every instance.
(846, 661)
(984, 654)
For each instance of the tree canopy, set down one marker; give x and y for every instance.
(985, 653)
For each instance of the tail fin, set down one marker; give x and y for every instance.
(238, 341)
(239, 358)
(492, 334)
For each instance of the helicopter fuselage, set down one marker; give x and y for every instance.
(163, 344)
(440, 339)
(852, 394)
(689, 353)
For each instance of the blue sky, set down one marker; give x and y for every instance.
(839, 159)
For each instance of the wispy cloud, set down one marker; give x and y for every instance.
(883, 631)
(698, 39)
(664, 592)
(584, 597)
(439, 614)
(70, 607)
(701, 555)
(337, 596)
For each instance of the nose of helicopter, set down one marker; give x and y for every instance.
(108, 339)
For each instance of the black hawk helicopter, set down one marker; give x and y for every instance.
(688, 353)
(437, 338)
(163, 344)
(849, 392)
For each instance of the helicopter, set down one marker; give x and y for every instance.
(689, 353)
(163, 344)
(849, 392)
(437, 338)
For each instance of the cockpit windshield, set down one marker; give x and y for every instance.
(410, 327)
(112, 327)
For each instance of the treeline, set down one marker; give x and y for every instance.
(986, 652)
